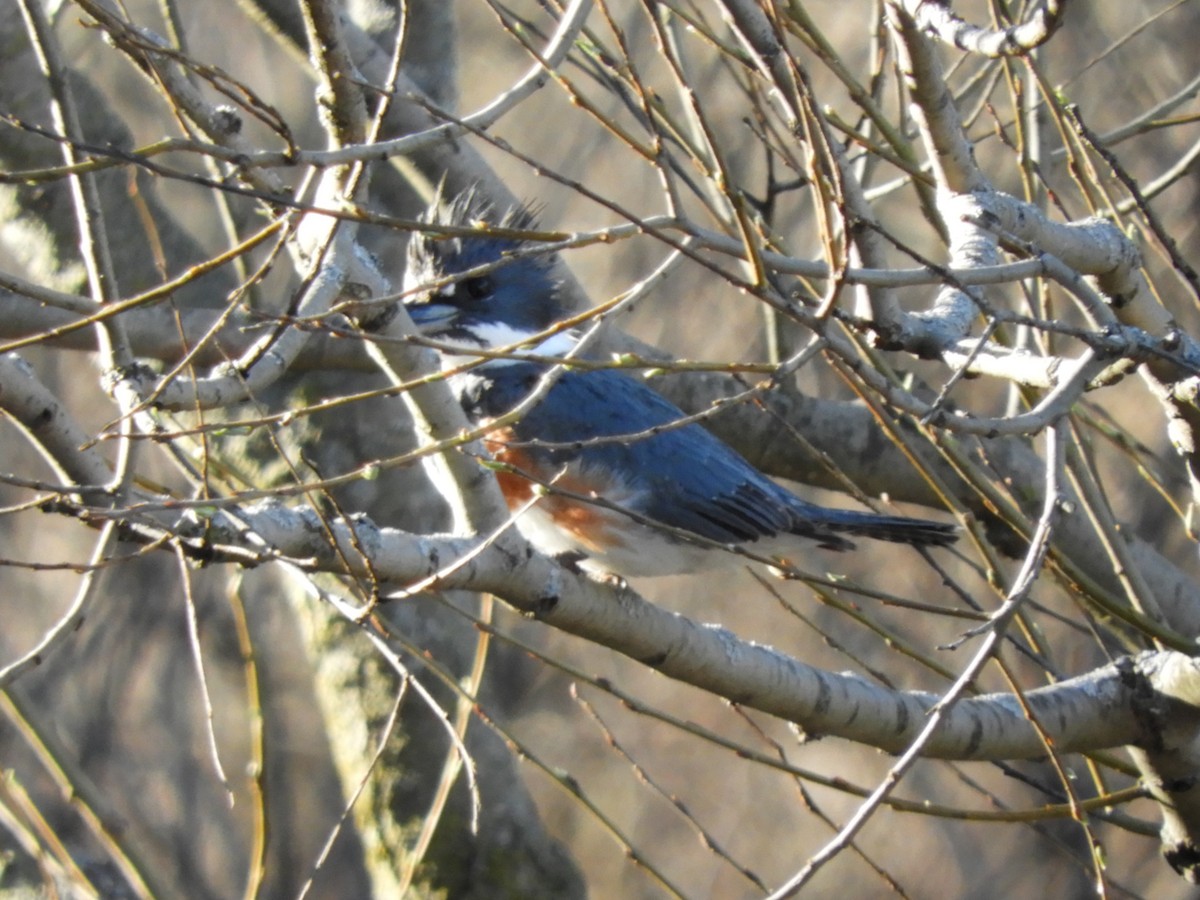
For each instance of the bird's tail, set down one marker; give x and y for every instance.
(898, 529)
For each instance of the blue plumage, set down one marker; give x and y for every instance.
(601, 434)
(688, 479)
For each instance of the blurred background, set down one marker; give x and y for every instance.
(596, 773)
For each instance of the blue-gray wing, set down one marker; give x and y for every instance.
(613, 424)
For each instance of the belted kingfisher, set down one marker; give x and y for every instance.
(623, 489)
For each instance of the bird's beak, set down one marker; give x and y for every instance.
(430, 316)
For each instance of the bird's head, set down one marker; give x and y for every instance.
(492, 298)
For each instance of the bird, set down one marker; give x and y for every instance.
(601, 471)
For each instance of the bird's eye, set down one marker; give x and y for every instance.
(478, 287)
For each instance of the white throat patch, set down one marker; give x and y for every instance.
(494, 335)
